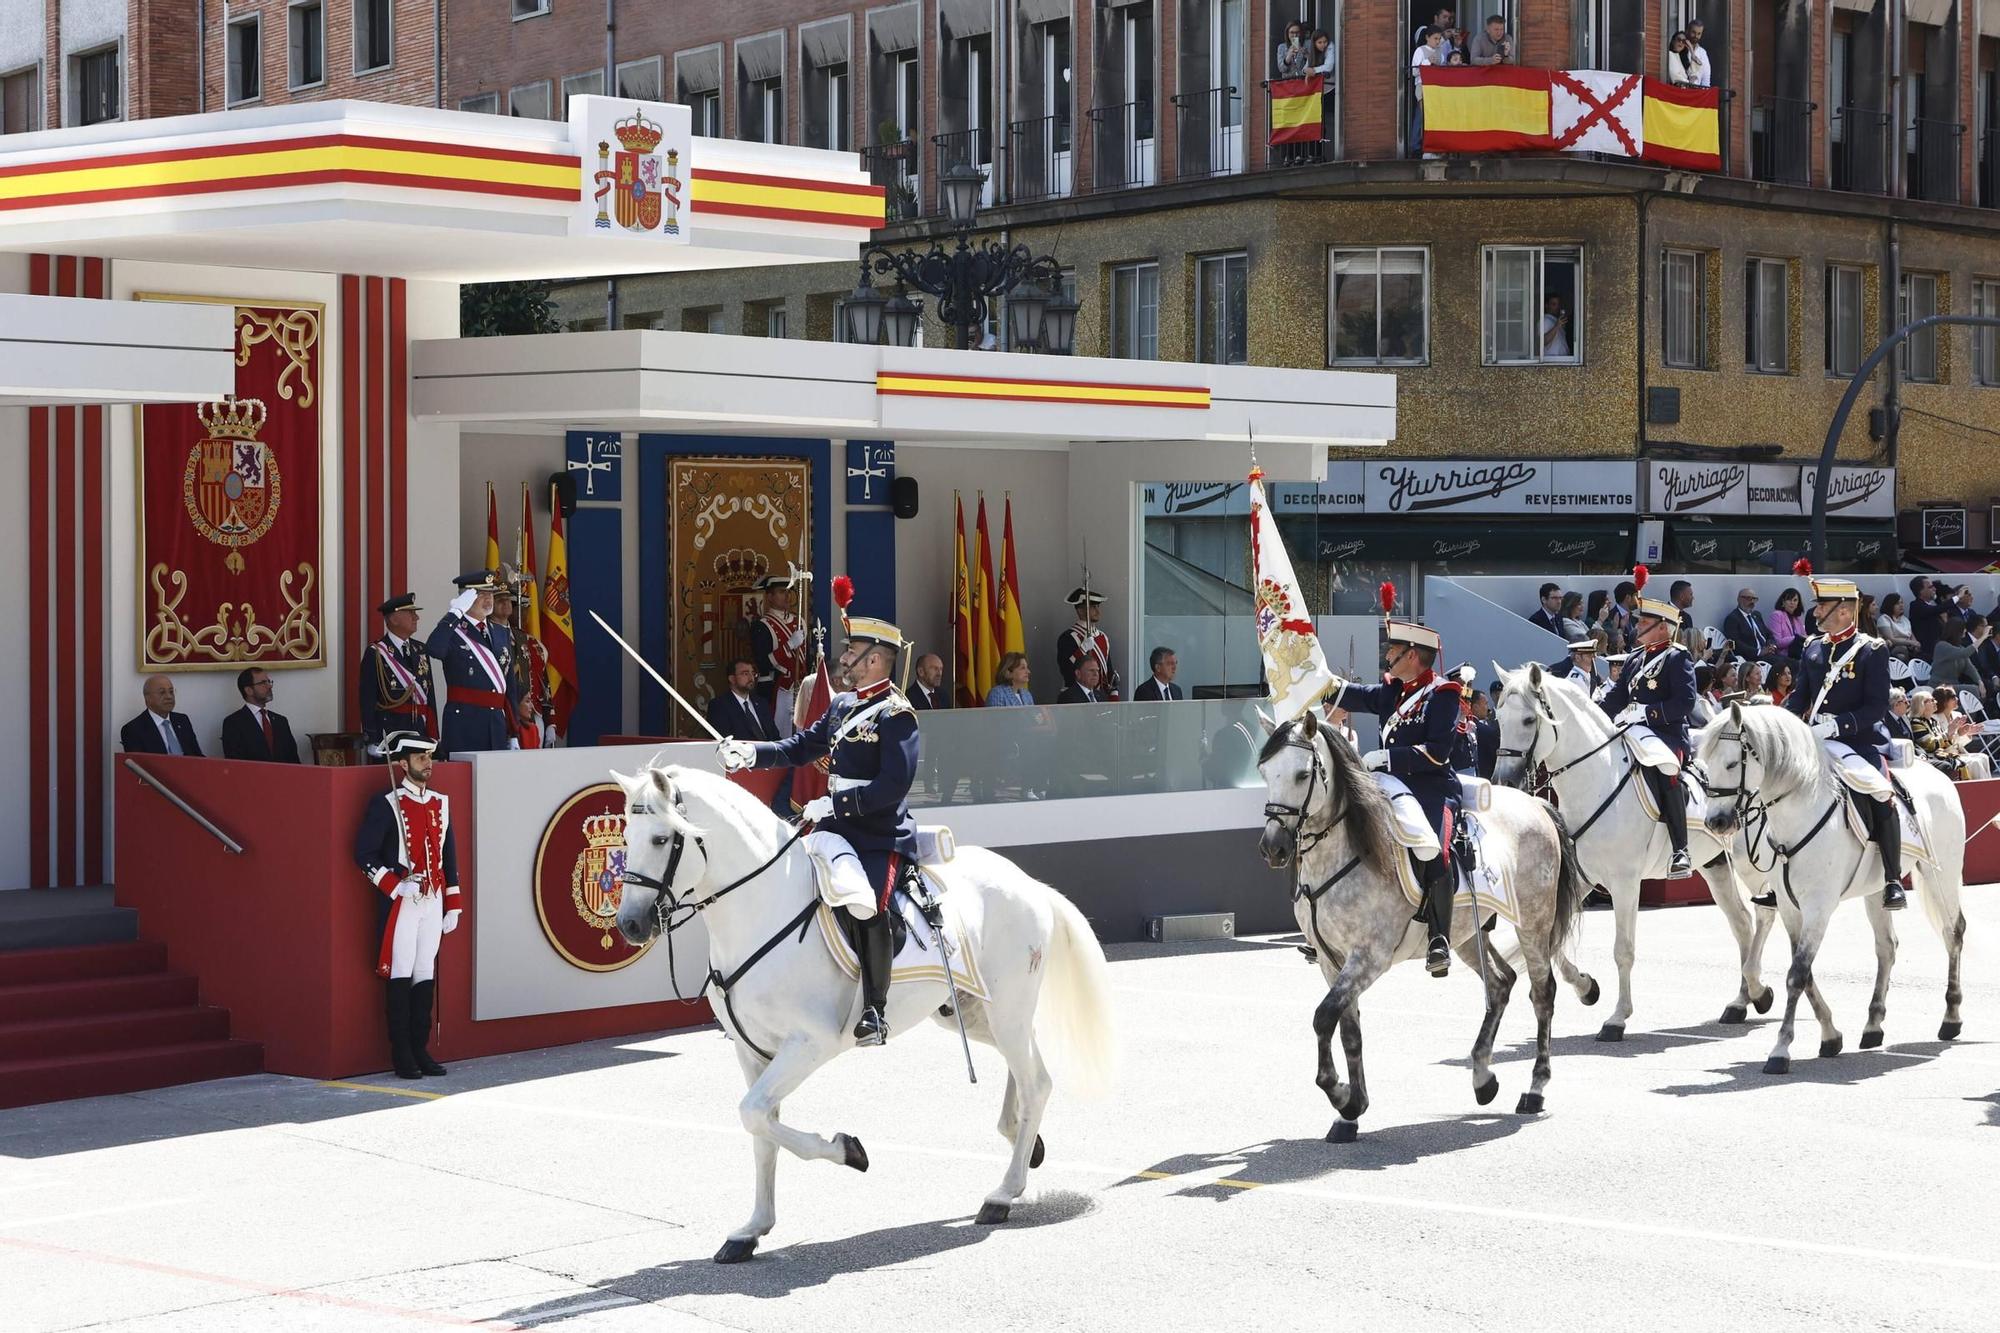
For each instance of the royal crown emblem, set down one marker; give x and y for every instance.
(597, 884)
(642, 185)
(637, 134)
(231, 485)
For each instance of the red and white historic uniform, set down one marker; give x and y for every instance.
(406, 838)
(778, 648)
(1083, 642)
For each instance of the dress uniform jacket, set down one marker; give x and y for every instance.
(406, 832)
(396, 692)
(1663, 681)
(872, 737)
(475, 659)
(1858, 698)
(1072, 648)
(1421, 733)
(773, 652)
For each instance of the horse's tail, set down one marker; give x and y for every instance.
(1074, 1018)
(1570, 888)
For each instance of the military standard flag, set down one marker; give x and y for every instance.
(1683, 126)
(1296, 115)
(1295, 668)
(1594, 111)
(1013, 636)
(985, 643)
(1487, 109)
(964, 661)
(559, 621)
(492, 529)
(531, 607)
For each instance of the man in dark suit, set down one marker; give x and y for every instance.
(1159, 688)
(159, 729)
(1088, 677)
(740, 714)
(1926, 615)
(1485, 734)
(1545, 614)
(1745, 627)
(927, 689)
(254, 731)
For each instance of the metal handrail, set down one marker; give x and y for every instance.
(1203, 113)
(1117, 147)
(1784, 150)
(1863, 133)
(1935, 174)
(230, 844)
(1034, 147)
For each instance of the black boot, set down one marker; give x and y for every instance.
(1889, 841)
(876, 957)
(1674, 814)
(399, 1029)
(421, 994)
(1438, 877)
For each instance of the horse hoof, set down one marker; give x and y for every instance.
(991, 1214)
(1735, 1013)
(1593, 995)
(1870, 1040)
(1763, 1002)
(735, 1251)
(1035, 1157)
(1611, 1032)
(1530, 1104)
(1830, 1047)
(1950, 1031)
(1343, 1131)
(1487, 1091)
(852, 1153)
(1778, 1064)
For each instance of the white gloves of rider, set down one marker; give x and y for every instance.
(1376, 761)
(1826, 728)
(817, 809)
(463, 602)
(451, 921)
(1633, 713)
(736, 755)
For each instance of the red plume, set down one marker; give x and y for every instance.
(1802, 568)
(1640, 576)
(843, 590)
(1387, 595)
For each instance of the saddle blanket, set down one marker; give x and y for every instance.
(1692, 779)
(1868, 782)
(1650, 750)
(919, 958)
(1413, 832)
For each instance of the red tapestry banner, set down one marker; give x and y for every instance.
(229, 505)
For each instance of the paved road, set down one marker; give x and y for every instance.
(1670, 1185)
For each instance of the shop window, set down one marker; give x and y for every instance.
(1767, 302)
(1986, 341)
(306, 30)
(374, 35)
(1844, 331)
(1378, 307)
(1916, 298)
(1684, 309)
(1220, 315)
(1135, 312)
(1533, 306)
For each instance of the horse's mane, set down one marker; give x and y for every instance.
(1367, 805)
(750, 819)
(1792, 756)
(1578, 701)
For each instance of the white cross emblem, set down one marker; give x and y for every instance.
(869, 470)
(590, 464)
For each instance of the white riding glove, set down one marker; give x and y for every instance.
(1633, 713)
(451, 920)
(736, 755)
(463, 602)
(1376, 761)
(817, 809)
(1827, 728)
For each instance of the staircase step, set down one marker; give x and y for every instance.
(129, 1031)
(103, 1073)
(26, 966)
(39, 1001)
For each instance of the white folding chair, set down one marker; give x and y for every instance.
(1920, 671)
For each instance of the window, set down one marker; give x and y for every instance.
(1533, 305)
(527, 9)
(582, 85)
(1843, 320)
(95, 77)
(760, 88)
(1985, 341)
(767, 111)
(840, 332)
(1220, 298)
(1684, 310)
(642, 80)
(774, 321)
(826, 113)
(1767, 316)
(702, 319)
(374, 35)
(307, 25)
(698, 86)
(1916, 297)
(1135, 312)
(530, 100)
(245, 41)
(486, 104)
(20, 101)
(1378, 307)
(707, 115)
(909, 94)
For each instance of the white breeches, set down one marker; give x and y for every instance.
(848, 884)
(419, 926)
(782, 707)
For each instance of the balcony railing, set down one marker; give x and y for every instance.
(1278, 156)
(1781, 140)
(1860, 149)
(1124, 143)
(1209, 125)
(1988, 169)
(1934, 160)
(893, 166)
(956, 149)
(1041, 159)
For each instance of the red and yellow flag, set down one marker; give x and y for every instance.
(1296, 114)
(985, 643)
(809, 780)
(1683, 126)
(558, 621)
(492, 530)
(1488, 109)
(531, 608)
(964, 665)
(1013, 636)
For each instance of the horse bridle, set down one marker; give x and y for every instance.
(1747, 809)
(1278, 812)
(1542, 711)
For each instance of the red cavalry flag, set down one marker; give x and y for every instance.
(809, 782)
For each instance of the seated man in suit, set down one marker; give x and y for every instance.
(927, 690)
(1089, 676)
(254, 731)
(159, 729)
(1159, 687)
(739, 714)
(1745, 627)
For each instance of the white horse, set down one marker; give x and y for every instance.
(1771, 781)
(699, 844)
(1550, 722)
(1327, 816)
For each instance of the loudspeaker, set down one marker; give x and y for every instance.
(903, 497)
(564, 484)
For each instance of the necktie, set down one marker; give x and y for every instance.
(173, 741)
(756, 720)
(270, 742)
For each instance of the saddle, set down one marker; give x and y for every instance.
(1650, 751)
(914, 891)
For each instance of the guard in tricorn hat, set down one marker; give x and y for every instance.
(1655, 689)
(1084, 640)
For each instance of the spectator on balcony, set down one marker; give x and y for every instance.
(1677, 72)
(1322, 65)
(1555, 330)
(1010, 685)
(1788, 623)
(1894, 626)
(1494, 46)
(1551, 597)
(1441, 23)
(1570, 625)
(1294, 56)
(1699, 74)
(1455, 58)
(1429, 52)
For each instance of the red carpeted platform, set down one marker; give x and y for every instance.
(107, 1018)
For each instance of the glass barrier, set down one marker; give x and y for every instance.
(1066, 751)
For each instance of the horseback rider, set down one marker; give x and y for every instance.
(1420, 712)
(862, 827)
(1655, 687)
(1843, 695)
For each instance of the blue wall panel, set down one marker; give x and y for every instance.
(871, 562)
(597, 583)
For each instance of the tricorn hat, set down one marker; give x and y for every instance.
(401, 744)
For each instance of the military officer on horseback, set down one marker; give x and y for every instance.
(1420, 714)
(1843, 695)
(1655, 688)
(862, 827)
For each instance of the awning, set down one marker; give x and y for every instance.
(1956, 562)
(1778, 544)
(895, 29)
(698, 71)
(1554, 545)
(825, 43)
(759, 59)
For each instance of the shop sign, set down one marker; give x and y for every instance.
(1450, 487)
(1767, 490)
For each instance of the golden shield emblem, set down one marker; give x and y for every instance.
(231, 485)
(579, 880)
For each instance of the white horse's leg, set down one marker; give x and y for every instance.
(1884, 923)
(1576, 978)
(1940, 886)
(1028, 1086)
(794, 1064)
(764, 1212)
(1625, 911)
(1723, 887)
(1499, 985)
(1813, 914)
(1357, 973)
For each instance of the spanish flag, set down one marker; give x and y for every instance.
(1013, 635)
(492, 531)
(1487, 109)
(964, 662)
(1683, 126)
(986, 650)
(559, 633)
(531, 608)
(1296, 116)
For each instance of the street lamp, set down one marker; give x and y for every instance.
(961, 184)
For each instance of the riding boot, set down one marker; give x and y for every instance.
(1674, 814)
(1888, 830)
(877, 953)
(400, 1057)
(421, 994)
(1438, 877)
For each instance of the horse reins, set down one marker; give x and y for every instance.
(1304, 838)
(1528, 756)
(1755, 817)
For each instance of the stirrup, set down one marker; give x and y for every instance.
(1437, 960)
(1893, 896)
(872, 1030)
(1768, 898)
(1681, 866)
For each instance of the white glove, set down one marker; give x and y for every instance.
(797, 639)
(451, 920)
(1633, 713)
(409, 888)
(1376, 761)
(463, 602)
(736, 755)
(817, 809)
(1826, 728)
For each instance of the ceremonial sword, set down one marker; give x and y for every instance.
(658, 679)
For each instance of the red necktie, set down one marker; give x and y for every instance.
(270, 742)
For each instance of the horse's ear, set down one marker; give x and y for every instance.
(628, 785)
(1309, 724)
(1500, 673)
(1266, 721)
(1736, 714)
(660, 783)
(1535, 674)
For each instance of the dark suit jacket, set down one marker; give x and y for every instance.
(1149, 692)
(1486, 735)
(142, 735)
(1540, 616)
(1900, 727)
(1074, 695)
(1736, 627)
(924, 700)
(1927, 623)
(242, 738)
(726, 715)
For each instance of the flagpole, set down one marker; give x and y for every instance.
(957, 539)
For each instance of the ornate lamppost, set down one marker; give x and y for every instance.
(965, 280)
